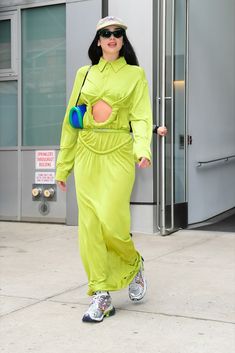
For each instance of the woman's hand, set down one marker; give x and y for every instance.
(162, 131)
(62, 185)
(144, 162)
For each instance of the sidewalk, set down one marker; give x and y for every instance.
(189, 306)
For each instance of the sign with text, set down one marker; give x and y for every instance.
(45, 159)
(45, 178)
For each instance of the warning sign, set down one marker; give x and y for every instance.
(45, 178)
(45, 159)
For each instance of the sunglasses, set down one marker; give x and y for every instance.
(106, 33)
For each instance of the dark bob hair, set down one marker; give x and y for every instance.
(95, 51)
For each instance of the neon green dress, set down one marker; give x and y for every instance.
(103, 157)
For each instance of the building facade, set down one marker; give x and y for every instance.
(187, 49)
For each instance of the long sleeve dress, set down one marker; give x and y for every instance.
(103, 156)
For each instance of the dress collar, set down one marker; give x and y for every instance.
(116, 64)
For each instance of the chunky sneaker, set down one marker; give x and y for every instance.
(99, 308)
(138, 286)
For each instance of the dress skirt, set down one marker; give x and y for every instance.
(104, 173)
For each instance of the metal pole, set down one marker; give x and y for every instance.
(172, 111)
(20, 122)
(186, 100)
(162, 120)
(157, 114)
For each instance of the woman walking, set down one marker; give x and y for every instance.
(103, 155)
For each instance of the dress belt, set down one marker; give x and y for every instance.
(127, 131)
(112, 149)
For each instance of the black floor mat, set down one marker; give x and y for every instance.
(226, 225)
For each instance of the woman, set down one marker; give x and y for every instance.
(103, 155)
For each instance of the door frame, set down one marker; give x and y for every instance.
(175, 214)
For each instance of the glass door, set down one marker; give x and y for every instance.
(170, 60)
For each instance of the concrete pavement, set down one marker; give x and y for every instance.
(189, 306)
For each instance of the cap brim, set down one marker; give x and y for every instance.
(111, 23)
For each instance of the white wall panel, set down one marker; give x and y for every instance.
(211, 106)
(81, 20)
(8, 185)
(138, 16)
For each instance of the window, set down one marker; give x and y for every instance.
(8, 113)
(43, 74)
(8, 44)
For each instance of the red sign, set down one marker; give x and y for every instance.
(45, 159)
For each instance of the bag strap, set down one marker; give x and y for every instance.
(82, 85)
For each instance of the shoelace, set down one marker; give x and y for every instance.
(101, 301)
(139, 278)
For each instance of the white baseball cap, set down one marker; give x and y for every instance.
(110, 21)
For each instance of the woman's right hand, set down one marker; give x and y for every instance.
(62, 185)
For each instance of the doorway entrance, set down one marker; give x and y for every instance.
(170, 63)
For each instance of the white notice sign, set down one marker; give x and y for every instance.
(44, 159)
(45, 178)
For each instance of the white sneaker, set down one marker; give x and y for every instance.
(138, 286)
(99, 308)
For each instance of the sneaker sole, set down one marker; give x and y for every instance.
(106, 314)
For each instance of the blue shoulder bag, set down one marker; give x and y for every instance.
(77, 112)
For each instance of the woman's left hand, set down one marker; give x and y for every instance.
(144, 162)
(162, 131)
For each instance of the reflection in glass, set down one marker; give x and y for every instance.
(5, 44)
(179, 100)
(8, 113)
(179, 147)
(43, 71)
